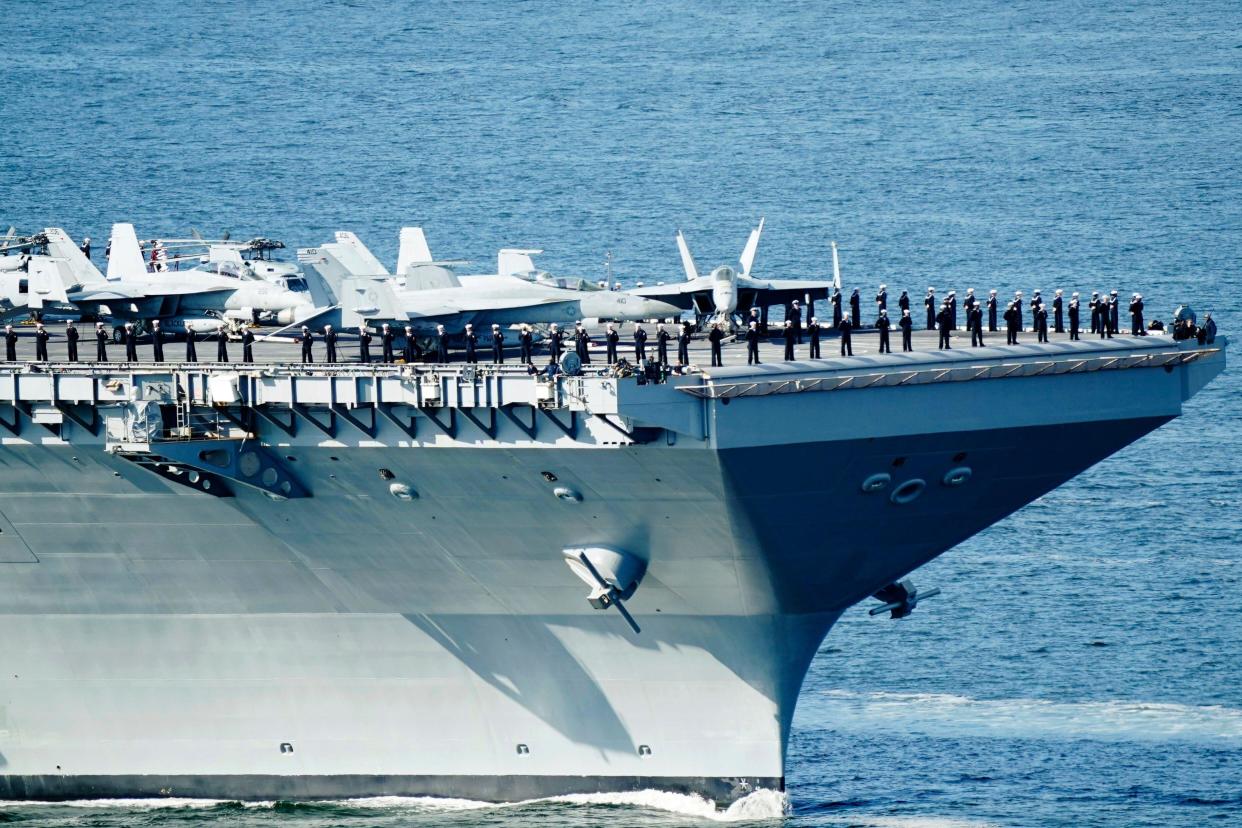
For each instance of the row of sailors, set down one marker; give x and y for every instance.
(1102, 307)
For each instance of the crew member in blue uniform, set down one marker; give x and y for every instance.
(101, 343)
(472, 344)
(329, 344)
(41, 337)
(855, 308)
(662, 338)
(191, 354)
(975, 324)
(386, 339)
(409, 347)
(1209, 329)
(1073, 316)
(222, 344)
(791, 337)
(944, 322)
(885, 325)
(1058, 312)
(795, 318)
(752, 344)
(308, 342)
(71, 337)
(992, 324)
(881, 300)
(929, 301)
(952, 300)
(847, 344)
(10, 344)
(364, 344)
(715, 336)
(683, 344)
(1136, 315)
(812, 329)
(1037, 302)
(157, 341)
(1114, 314)
(1012, 324)
(1094, 306)
(836, 307)
(903, 302)
(555, 344)
(906, 323)
(247, 338)
(611, 338)
(1017, 308)
(640, 343)
(498, 345)
(582, 344)
(968, 304)
(1105, 328)
(1041, 323)
(129, 338)
(526, 341)
(86, 247)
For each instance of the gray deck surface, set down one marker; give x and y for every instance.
(288, 351)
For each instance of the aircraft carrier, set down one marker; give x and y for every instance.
(277, 581)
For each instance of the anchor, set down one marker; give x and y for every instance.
(613, 577)
(901, 598)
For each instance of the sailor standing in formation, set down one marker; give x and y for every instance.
(472, 346)
(952, 310)
(715, 337)
(992, 326)
(71, 337)
(855, 308)
(906, 323)
(555, 347)
(409, 347)
(1041, 323)
(1073, 316)
(222, 343)
(442, 344)
(795, 317)
(1058, 318)
(930, 302)
(975, 323)
(329, 345)
(812, 328)
(752, 344)
(640, 343)
(582, 344)
(247, 338)
(10, 344)
(885, 325)
(308, 342)
(683, 344)
(1013, 323)
(836, 307)
(791, 337)
(662, 338)
(1114, 314)
(847, 343)
(498, 345)
(1094, 306)
(41, 336)
(157, 341)
(386, 339)
(611, 338)
(364, 344)
(881, 300)
(944, 321)
(191, 355)
(526, 340)
(1136, 315)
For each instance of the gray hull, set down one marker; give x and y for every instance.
(159, 640)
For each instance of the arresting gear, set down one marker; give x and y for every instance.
(901, 598)
(612, 576)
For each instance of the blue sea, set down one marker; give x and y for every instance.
(1083, 665)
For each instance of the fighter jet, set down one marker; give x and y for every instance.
(726, 293)
(358, 289)
(184, 300)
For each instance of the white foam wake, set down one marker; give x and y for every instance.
(937, 714)
(760, 805)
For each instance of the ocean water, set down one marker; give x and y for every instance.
(1083, 666)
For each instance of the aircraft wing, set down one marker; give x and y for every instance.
(789, 289)
(116, 291)
(468, 303)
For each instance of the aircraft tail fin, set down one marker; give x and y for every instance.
(430, 277)
(126, 260)
(357, 256)
(364, 299)
(512, 260)
(50, 281)
(324, 273)
(687, 261)
(748, 252)
(413, 249)
(60, 246)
